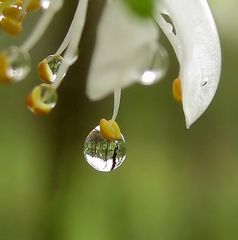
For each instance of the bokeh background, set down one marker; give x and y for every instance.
(175, 183)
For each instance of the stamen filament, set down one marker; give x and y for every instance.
(71, 51)
(41, 26)
(117, 100)
(70, 33)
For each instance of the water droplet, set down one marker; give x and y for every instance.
(15, 64)
(48, 68)
(152, 64)
(102, 154)
(42, 99)
(45, 4)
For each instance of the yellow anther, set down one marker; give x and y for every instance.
(34, 5)
(177, 90)
(110, 129)
(11, 26)
(45, 72)
(12, 18)
(15, 12)
(4, 66)
(42, 99)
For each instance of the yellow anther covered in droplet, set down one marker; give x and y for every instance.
(177, 90)
(42, 99)
(48, 68)
(4, 66)
(34, 5)
(45, 72)
(110, 129)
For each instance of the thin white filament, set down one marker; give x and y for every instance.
(41, 26)
(117, 100)
(72, 48)
(70, 33)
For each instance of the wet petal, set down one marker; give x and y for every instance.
(194, 37)
(122, 37)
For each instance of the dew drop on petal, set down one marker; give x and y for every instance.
(15, 64)
(153, 65)
(102, 154)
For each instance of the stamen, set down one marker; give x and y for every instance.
(42, 25)
(177, 90)
(74, 25)
(110, 129)
(74, 38)
(117, 100)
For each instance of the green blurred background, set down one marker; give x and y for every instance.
(176, 184)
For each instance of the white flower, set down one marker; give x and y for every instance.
(121, 36)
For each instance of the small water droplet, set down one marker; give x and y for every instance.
(152, 64)
(42, 99)
(102, 154)
(15, 64)
(48, 68)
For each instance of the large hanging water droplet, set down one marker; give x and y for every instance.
(48, 68)
(15, 64)
(102, 154)
(152, 64)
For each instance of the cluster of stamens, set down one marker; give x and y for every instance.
(15, 65)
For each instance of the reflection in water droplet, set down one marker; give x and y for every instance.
(102, 154)
(16, 64)
(152, 64)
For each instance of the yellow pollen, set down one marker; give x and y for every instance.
(12, 18)
(34, 5)
(110, 129)
(177, 90)
(45, 72)
(4, 65)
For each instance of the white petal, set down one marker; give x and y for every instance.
(197, 46)
(121, 38)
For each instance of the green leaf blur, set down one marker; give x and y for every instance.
(143, 8)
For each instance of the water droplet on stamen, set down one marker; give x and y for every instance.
(15, 64)
(102, 154)
(42, 99)
(48, 68)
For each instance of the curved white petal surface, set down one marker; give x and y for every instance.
(121, 38)
(197, 46)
